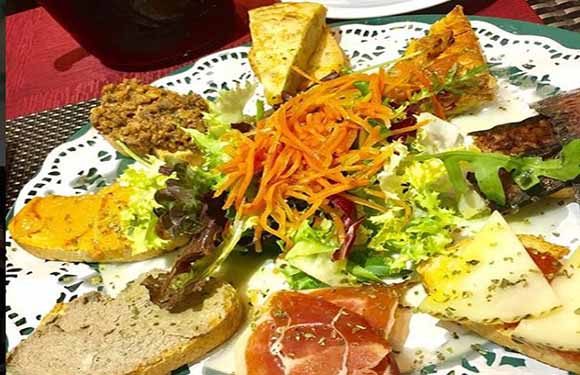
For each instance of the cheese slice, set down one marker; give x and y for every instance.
(284, 35)
(561, 329)
(328, 57)
(489, 279)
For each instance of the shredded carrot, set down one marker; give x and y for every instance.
(438, 107)
(408, 129)
(319, 143)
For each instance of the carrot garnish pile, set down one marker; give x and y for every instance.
(324, 142)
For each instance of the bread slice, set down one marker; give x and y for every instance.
(540, 245)
(98, 335)
(82, 228)
(328, 58)
(284, 35)
(148, 120)
(501, 335)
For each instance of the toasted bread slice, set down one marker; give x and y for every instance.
(452, 42)
(284, 35)
(328, 58)
(82, 228)
(96, 334)
(501, 335)
(148, 120)
(539, 244)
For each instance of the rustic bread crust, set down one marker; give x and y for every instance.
(82, 256)
(502, 336)
(23, 359)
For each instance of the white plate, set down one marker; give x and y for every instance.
(88, 161)
(352, 9)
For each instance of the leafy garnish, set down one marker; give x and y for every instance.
(387, 65)
(525, 170)
(146, 160)
(298, 280)
(260, 112)
(363, 87)
(228, 108)
(310, 241)
(212, 148)
(453, 83)
(205, 266)
(417, 225)
(372, 265)
(138, 220)
(196, 262)
(312, 251)
(181, 201)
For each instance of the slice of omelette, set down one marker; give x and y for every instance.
(284, 35)
(328, 58)
(451, 45)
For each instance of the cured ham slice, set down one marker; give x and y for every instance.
(376, 303)
(306, 334)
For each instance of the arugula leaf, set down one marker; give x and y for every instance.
(388, 65)
(453, 83)
(525, 170)
(456, 84)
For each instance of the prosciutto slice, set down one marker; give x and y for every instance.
(306, 334)
(376, 303)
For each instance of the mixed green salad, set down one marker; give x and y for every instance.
(411, 209)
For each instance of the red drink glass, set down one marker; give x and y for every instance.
(144, 34)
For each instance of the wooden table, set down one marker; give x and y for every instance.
(46, 68)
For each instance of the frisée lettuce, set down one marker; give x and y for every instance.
(227, 109)
(311, 254)
(419, 228)
(423, 211)
(138, 220)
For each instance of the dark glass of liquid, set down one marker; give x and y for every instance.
(144, 34)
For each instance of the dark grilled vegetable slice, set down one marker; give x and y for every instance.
(557, 124)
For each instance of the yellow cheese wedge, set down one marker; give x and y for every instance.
(561, 329)
(284, 35)
(489, 279)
